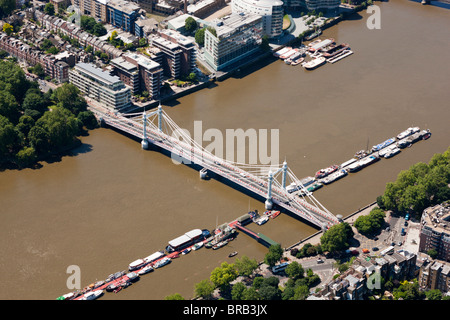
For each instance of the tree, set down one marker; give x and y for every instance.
(269, 293)
(301, 292)
(88, 119)
(238, 291)
(223, 275)
(190, 24)
(12, 79)
(9, 138)
(204, 289)
(39, 139)
(26, 156)
(274, 255)
(25, 124)
(200, 36)
(245, 266)
(432, 253)
(49, 9)
(371, 223)
(68, 96)
(336, 238)
(60, 125)
(8, 28)
(435, 294)
(175, 296)
(34, 100)
(39, 70)
(295, 270)
(99, 30)
(6, 7)
(192, 77)
(9, 106)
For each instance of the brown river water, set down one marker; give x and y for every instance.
(110, 202)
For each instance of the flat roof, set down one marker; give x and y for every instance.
(97, 72)
(234, 21)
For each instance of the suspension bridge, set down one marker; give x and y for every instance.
(158, 128)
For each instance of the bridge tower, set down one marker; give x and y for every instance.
(268, 204)
(283, 182)
(160, 117)
(144, 142)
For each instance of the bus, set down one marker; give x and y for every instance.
(280, 267)
(388, 250)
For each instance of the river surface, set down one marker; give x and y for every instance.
(110, 203)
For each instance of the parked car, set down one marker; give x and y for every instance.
(320, 260)
(365, 250)
(375, 249)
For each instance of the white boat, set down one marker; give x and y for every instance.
(92, 295)
(162, 262)
(220, 245)
(137, 264)
(132, 276)
(145, 270)
(197, 246)
(392, 152)
(186, 251)
(261, 220)
(281, 51)
(407, 132)
(154, 256)
(334, 176)
(314, 63)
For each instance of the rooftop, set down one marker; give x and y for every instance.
(437, 218)
(98, 73)
(233, 22)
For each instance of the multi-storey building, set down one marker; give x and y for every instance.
(271, 12)
(101, 86)
(435, 230)
(435, 275)
(236, 37)
(139, 73)
(122, 14)
(178, 54)
(310, 5)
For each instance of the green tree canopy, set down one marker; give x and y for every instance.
(295, 270)
(336, 238)
(245, 266)
(190, 24)
(49, 9)
(204, 289)
(419, 187)
(370, 223)
(6, 7)
(60, 125)
(223, 275)
(200, 36)
(274, 255)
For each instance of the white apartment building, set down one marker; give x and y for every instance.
(311, 5)
(270, 10)
(237, 36)
(100, 86)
